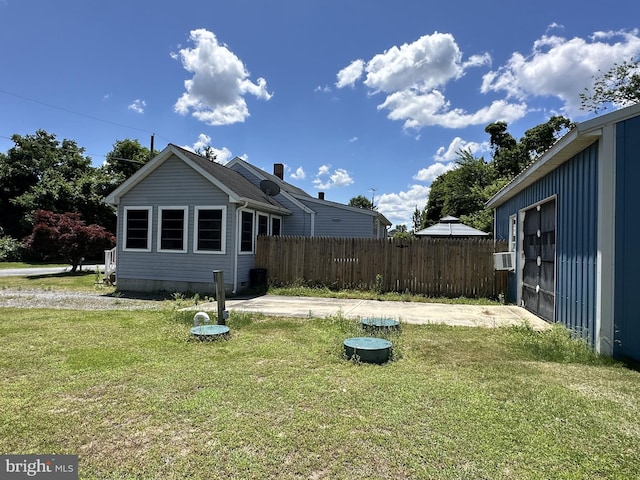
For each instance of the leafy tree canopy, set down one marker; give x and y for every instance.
(362, 202)
(619, 86)
(126, 158)
(464, 191)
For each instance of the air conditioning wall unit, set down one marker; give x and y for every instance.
(504, 261)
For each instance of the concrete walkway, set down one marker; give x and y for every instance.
(406, 312)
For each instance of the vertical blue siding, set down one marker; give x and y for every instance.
(627, 258)
(575, 185)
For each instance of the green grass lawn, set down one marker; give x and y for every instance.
(8, 265)
(135, 398)
(78, 282)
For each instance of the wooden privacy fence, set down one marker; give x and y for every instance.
(433, 267)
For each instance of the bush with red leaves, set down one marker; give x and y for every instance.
(64, 236)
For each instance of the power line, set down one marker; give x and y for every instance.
(63, 109)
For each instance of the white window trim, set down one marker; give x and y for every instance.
(223, 232)
(149, 228)
(185, 229)
(253, 237)
(513, 226)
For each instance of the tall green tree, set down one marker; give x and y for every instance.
(459, 191)
(126, 158)
(40, 172)
(618, 86)
(362, 202)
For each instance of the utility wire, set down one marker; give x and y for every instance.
(22, 97)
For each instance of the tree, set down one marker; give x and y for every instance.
(459, 191)
(39, 172)
(65, 236)
(400, 232)
(362, 202)
(126, 158)
(619, 86)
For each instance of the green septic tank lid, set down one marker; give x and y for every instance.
(368, 349)
(209, 331)
(380, 322)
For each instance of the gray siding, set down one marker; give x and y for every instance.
(574, 184)
(173, 184)
(298, 223)
(332, 221)
(627, 233)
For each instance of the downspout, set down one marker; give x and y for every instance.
(313, 224)
(236, 247)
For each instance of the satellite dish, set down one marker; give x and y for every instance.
(269, 187)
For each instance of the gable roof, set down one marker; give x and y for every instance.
(576, 140)
(342, 206)
(264, 175)
(237, 187)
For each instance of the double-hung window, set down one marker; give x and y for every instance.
(210, 230)
(263, 225)
(276, 226)
(137, 229)
(246, 232)
(172, 229)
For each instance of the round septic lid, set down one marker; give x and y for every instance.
(209, 330)
(367, 343)
(368, 349)
(380, 322)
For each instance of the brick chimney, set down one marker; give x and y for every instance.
(278, 170)
(321, 195)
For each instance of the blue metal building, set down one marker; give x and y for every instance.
(570, 219)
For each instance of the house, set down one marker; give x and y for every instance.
(450, 227)
(181, 216)
(570, 218)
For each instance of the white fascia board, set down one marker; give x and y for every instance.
(265, 207)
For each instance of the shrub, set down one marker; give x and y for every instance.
(11, 250)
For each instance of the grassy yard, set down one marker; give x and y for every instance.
(77, 282)
(135, 398)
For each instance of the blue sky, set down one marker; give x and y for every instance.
(362, 97)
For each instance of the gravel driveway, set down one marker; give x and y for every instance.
(38, 298)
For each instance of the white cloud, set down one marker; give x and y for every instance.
(433, 171)
(325, 89)
(349, 75)
(223, 155)
(138, 105)
(299, 174)
(450, 153)
(428, 109)
(399, 207)
(561, 68)
(326, 180)
(353, 139)
(413, 76)
(216, 92)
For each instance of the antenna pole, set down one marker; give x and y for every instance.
(151, 149)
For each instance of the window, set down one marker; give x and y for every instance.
(210, 230)
(246, 232)
(172, 234)
(513, 229)
(263, 225)
(137, 230)
(276, 226)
